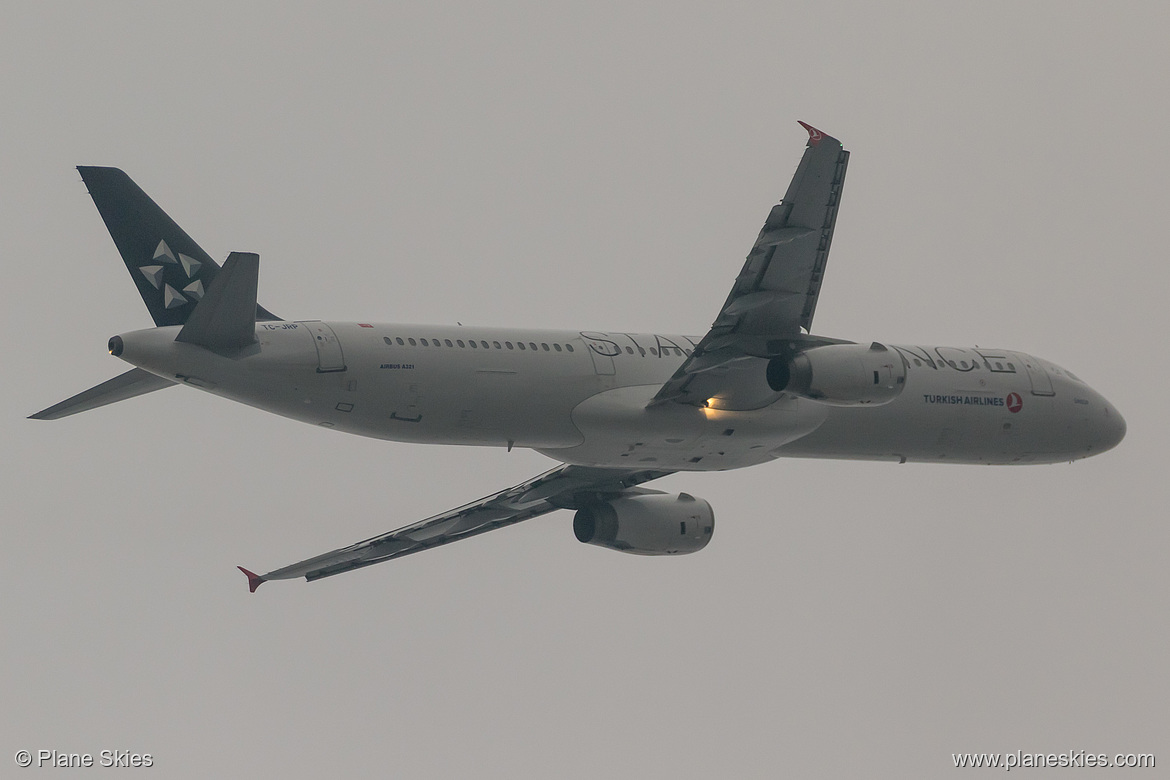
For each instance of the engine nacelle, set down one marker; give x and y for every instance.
(841, 374)
(653, 524)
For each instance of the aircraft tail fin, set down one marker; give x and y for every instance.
(171, 271)
(134, 382)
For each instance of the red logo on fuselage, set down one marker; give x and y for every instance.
(1014, 402)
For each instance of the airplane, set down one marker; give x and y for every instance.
(616, 410)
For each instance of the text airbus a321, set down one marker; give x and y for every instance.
(616, 410)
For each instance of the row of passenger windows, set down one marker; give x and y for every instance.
(522, 345)
(666, 351)
(963, 365)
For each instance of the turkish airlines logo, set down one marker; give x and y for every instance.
(814, 136)
(1012, 401)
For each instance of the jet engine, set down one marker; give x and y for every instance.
(841, 374)
(651, 524)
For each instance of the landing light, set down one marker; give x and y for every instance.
(712, 412)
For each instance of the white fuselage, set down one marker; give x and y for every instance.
(582, 397)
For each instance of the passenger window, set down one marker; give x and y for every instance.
(496, 344)
(473, 344)
(400, 341)
(544, 346)
(388, 341)
(532, 345)
(688, 352)
(448, 343)
(569, 347)
(424, 343)
(917, 362)
(460, 343)
(630, 350)
(521, 344)
(508, 344)
(484, 344)
(1011, 367)
(557, 347)
(654, 351)
(413, 343)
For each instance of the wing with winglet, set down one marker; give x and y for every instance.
(772, 302)
(565, 487)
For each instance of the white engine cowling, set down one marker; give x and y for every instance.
(653, 524)
(841, 374)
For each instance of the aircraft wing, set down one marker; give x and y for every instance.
(775, 294)
(565, 487)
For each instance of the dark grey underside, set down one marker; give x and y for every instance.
(565, 487)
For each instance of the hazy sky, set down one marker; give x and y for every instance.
(589, 166)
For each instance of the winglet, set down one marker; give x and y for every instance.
(814, 136)
(254, 580)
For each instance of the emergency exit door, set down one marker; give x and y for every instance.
(1041, 383)
(329, 355)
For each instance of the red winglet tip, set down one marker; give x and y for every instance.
(814, 136)
(254, 580)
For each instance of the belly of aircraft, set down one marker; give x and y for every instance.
(620, 429)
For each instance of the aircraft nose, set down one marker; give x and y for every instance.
(1112, 427)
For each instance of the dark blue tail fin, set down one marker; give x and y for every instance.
(171, 271)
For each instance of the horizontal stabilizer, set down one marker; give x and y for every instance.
(226, 317)
(133, 383)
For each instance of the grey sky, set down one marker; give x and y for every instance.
(587, 166)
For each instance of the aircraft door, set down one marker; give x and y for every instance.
(1041, 382)
(602, 350)
(329, 355)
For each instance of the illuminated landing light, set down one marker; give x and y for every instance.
(711, 410)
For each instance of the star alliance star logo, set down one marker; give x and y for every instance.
(156, 271)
